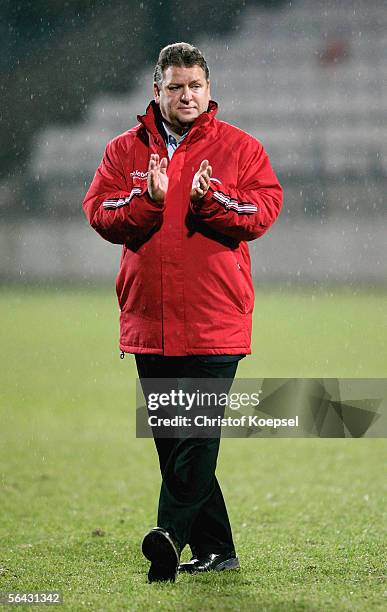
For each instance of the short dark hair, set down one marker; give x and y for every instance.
(179, 54)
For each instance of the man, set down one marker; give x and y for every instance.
(183, 192)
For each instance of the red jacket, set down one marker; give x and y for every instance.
(184, 285)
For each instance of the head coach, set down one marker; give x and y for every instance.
(183, 192)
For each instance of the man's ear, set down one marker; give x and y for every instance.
(156, 93)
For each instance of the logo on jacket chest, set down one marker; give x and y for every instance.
(138, 174)
(139, 178)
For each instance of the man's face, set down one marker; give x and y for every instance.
(183, 95)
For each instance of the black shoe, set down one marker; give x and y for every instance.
(163, 553)
(211, 562)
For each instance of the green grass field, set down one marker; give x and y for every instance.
(308, 515)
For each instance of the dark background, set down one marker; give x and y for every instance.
(55, 56)
(307, 79)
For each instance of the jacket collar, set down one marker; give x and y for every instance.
(152, 120)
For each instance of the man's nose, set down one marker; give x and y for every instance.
(186, 95)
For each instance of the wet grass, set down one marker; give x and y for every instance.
(78, 490)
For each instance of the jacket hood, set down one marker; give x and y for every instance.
(152, 119)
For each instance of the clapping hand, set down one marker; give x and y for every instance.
(157, 178)
(201, 181)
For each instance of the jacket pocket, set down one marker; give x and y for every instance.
(237, 277)
(244, 283)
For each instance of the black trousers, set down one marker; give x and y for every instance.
(191, 505)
